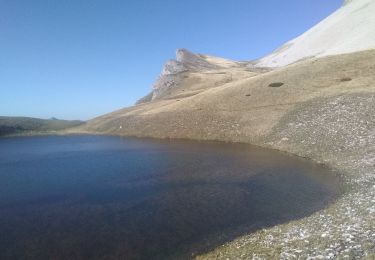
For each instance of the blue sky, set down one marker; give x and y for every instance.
(77, 59)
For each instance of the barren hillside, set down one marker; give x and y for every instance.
(244, 107)
(349, 29)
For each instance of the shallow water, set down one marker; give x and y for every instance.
(100, 197)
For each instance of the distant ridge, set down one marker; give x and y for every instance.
(28, 125)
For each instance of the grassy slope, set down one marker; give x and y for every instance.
(318, 113)
(26, 125)
(244, 110)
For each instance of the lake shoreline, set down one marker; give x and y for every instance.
(269, 242)
(242, 187)
(336, 131)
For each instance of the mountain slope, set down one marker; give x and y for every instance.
(245, 109)
(187, 75)
(349, 29)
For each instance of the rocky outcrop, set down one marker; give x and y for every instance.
(185, 61)
(193, 61)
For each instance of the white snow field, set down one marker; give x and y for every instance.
(351, 28)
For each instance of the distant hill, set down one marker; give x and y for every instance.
(26, 125)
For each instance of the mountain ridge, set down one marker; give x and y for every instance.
(349, 29)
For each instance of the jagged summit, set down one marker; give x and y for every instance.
(193, 61)
(186, 61)
(351, 28)
(189, 61)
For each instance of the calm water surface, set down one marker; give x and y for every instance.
(98, 197)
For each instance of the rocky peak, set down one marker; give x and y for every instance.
(173, 67)
(193, 61)
(186, 61)
(184, 55)
(171, 73)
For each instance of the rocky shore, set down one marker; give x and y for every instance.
(338, 132)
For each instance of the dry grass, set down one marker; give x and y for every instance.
(227, 112)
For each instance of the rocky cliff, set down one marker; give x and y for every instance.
(172, 74)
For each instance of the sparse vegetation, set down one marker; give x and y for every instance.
(276, 85)
(345, 79)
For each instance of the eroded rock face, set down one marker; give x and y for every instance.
(171, 73)
(173, 67)
(193, 61)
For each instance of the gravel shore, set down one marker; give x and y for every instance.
(339, 132)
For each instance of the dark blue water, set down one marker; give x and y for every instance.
(98, 197)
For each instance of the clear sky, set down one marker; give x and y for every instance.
(77, 59)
